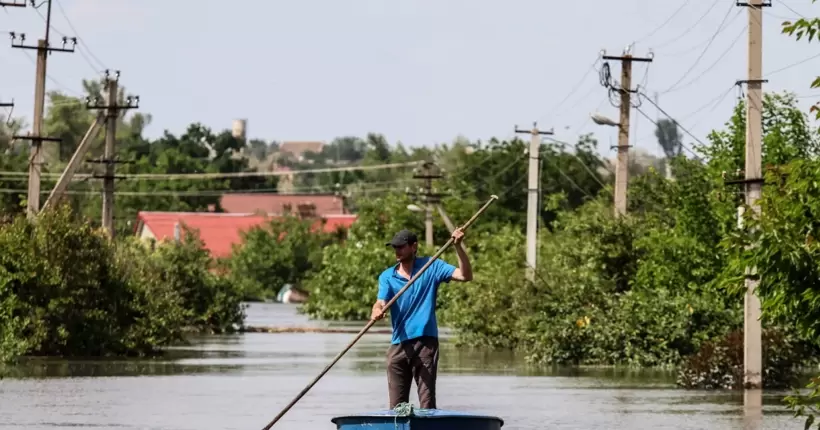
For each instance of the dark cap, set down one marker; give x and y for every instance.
(404, 237)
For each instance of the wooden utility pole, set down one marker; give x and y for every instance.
(36, 160)
(112, 108)
(532, 196)
(625, 90)
(427, 172)
(752, 329)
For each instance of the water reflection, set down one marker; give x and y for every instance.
(242, 381)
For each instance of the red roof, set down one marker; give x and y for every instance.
(218, 231)
(326, 204)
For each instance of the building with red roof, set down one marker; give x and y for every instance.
(279, 204)
(219, 231)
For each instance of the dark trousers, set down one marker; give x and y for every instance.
(415, 359)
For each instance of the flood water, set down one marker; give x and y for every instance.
(243, 381)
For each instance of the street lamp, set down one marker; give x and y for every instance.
(603, 120)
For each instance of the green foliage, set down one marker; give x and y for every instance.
(781, 244)
(498, 275)
(594, 305)
(806, 405)
(719, 363)
(61, 280)
(810, 29)
(345, 288)
(212, 302)
(500, 168)
(283, 251)
(67, 290)
(649, 289)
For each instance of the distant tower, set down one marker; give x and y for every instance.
(239, 129)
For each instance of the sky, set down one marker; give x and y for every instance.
(421, 72)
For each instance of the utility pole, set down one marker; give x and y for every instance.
(532, 196)
(15, 3)
(752, 329)
(73, 164)
(43, 48)
(625, 90)
(428, 172)
(112, 108)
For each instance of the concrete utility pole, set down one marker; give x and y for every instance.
(36, 160)
(428, 172)
(625, 89)
(73, 164)
(752, 330)
(446, 218)
(112, 108)
(533, 186)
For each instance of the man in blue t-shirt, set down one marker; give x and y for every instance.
(413, 353)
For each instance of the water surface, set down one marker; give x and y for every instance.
(243, 381)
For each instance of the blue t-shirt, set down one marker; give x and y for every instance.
(414, 312)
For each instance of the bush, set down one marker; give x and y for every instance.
(719, 363)
(59, 284)
(284, 251)
(481, 310)
(211, 302)
(346, 286)
(67, 290)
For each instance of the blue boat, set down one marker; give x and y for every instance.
(417, 419)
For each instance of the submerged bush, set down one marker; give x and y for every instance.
(719, 363)
(68, 290)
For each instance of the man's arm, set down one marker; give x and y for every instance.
(376, 313)
(464, 271)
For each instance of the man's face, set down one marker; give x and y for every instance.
(405, 252)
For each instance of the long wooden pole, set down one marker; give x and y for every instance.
(372, 321)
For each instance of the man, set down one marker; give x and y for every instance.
(413, 353)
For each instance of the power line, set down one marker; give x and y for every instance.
(715, 102)
(684, 146)
(82, 54)
(720, 58)
(76, 33)
(662, 25)
(805, 60)
(792, 10)
(711, 40)
(168, 193)
(575, 88)
(582, 163)
(671, 118)
(186, 176)
(689, 28)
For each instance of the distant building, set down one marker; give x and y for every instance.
(218, 231)
(280, 204)
(297, 149)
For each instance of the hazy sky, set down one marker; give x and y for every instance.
(418, 71)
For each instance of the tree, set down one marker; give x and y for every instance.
(283, 251)
(669, 137)
(810, 29)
